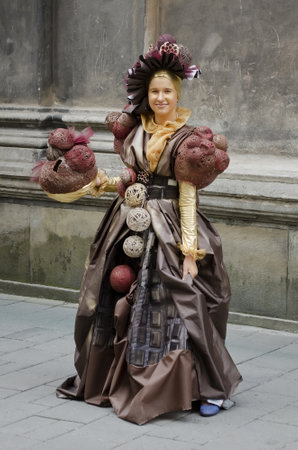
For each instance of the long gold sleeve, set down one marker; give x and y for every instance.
(108, 184)
(188, 221)
(112, 184)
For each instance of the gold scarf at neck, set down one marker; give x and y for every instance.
(160, 134)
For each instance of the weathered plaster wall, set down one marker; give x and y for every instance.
(65, 60)
(76, 54)
(93, 49)
(23, 53)
(45, 246)
(68, 52)
(248, 54)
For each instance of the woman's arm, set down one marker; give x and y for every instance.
(104, 183)
(188, 221)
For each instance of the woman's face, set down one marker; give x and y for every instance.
(163, 98)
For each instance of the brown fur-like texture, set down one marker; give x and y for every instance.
(201, 157)
(58, 178)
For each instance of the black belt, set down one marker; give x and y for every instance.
(162, 187)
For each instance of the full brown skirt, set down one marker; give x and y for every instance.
(160, 347)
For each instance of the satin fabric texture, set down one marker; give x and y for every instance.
(203, 370)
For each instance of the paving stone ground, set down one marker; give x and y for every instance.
(36, 354)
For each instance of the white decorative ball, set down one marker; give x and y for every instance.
(138, 219)
(133, 246)
(135, 194)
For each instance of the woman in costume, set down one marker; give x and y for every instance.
(150, 334)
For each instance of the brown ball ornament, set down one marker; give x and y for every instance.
(121, 278)
(61, 138)
(220, 141)
(80, 158)
(128, 176)
(111, 119)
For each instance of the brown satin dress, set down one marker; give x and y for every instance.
(161, 346)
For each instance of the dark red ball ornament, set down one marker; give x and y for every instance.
(121, 278)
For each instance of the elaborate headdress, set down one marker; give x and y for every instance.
(165, 55)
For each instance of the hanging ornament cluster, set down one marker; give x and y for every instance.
(138, 219)
(70, 163)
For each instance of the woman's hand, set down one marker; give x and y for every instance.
(98, 181)
(189, 266)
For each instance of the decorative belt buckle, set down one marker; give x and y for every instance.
(143, 177)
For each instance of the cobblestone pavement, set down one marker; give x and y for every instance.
(36, 354)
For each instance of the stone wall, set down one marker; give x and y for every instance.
(249, 84)
(64, 61)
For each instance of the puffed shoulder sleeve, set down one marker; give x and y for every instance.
(201, 157)
(120, 124)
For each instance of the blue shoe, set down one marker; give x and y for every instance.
(208, 410)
